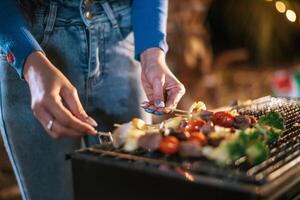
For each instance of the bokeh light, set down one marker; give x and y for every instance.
(280, 6)
(291, 15)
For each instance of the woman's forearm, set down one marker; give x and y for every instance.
(149, 25)
(16, 41)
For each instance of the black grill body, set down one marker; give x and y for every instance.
(104, 172)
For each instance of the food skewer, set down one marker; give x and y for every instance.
(200, 132)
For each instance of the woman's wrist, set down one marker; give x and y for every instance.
(152, 56)
(34, 60)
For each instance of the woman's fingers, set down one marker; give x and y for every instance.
(175, 93)
(57, 130)
(158, 92)
(175, 90)
(158, 80)
(71, 98)
(66, 118)
(60, 130)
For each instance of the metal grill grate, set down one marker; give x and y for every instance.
(284, 155)
(286, 152)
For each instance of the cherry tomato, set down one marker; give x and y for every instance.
(169, 145)
(224, 119)
(198, 137)
(194, 125)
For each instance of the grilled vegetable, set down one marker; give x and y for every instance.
(250, 135)
(273, 135)
(169, 145)
(173, 123)
(198, 137)
(138, 124)
(270, 134)
(272, 119)
(220, 155)
(235, 149)
(224, 119)
(194, 125)
(251, 142)
(257, 152)
(196, 107)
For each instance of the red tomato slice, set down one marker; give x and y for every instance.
(194, 125)
(224, 119)
(169, 145)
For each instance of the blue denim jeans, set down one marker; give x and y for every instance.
(97, 57)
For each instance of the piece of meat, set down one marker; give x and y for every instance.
(120, 135)
(206, 115)
(190, 149)
(242, 122)
(207, 128)
(150, 141)
(179, 135)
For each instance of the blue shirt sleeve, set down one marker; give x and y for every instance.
(15, 37)
(149, 18)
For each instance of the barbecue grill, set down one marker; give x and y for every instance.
(105, 172)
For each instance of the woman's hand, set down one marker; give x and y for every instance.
(162, 88)
(54, 98)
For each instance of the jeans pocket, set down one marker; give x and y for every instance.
(44, 23)
(124, 20)
(125, 27)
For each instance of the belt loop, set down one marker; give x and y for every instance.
(50, 22)
(110, 14)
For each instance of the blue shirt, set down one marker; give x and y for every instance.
(149, 18)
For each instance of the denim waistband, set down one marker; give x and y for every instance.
(77, 3)
(71, 11)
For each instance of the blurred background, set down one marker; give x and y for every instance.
(223, 51)
(227, 50)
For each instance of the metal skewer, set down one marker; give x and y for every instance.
(105, 134)
(180, 111)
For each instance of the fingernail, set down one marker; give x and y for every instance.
(159, 103)
(91, 121)
(149, 110)
(94, 132)
(144, 106)
(158, 113)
